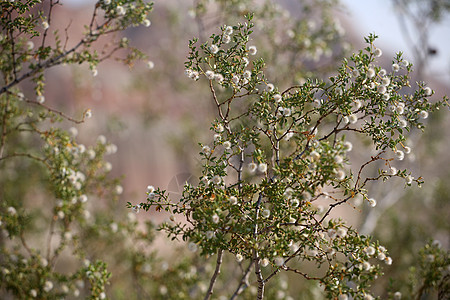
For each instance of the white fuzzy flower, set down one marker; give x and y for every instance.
(388, 261)
(252, 167)
(386, 96)
(403, 123)
(226, 39)
(217, 179)
(12, 211)
(252, 50)
(369, 250)
(265, 213)
(118, 189)
(220, 128)
(136, 208)
(150, 64)
(215, 218)
(348, 146)
(247, 74)
(227, 145)
(246, 61)
(377, 52)
(381, 89)
(107, 2)
(428, 91)
(343, 297)
(340, 175)
(395, 67)
(88, 114)
(423, 114)
(239, 257)
(45, 25)
(381, 256)
(48, 286)
(150, 189)
(314, 155)
(214, 49)
(120, 10)
(33, 293)
(146, 23)
(295, 202)
(397, 295)
(233, 200)
(108, 166)
(407, 149)
(68, 235)
(341, 232)
(210, 234)
(368, 297)
(209, 74)
(370, 73)
(111, 149)
(372, 202)
(206, 150)
(289, 135)
(235, 79)
(30, 45)
(192, 247)
(338, 159)
(357, 104)
(409, 179)
(101, 139)
(353, 119)
(40, 99)
(262, 167)
(345, 119)
(264, 262)
(393, 171)
(385, 81)
(382, 72)
(287, 112)
(279, 261)
(270, 87)
(404, 63)
(366, 266)
(228, 30)
(399, 154)
(277, 98)
(83, 199)
(102, 295)
(114, 227)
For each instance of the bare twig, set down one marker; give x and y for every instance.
(243, 284)
(214, 277)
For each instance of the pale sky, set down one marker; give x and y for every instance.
(378, 16)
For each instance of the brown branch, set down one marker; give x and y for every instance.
(214, 277)
(243, 284)
(58, 112)
(301, 273)
(3, 138)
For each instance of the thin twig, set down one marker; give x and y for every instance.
(214, 277)
(243, 284)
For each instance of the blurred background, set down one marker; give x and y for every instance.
(157, 116)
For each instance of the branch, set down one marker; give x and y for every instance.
(243, 284)
(214, 277)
